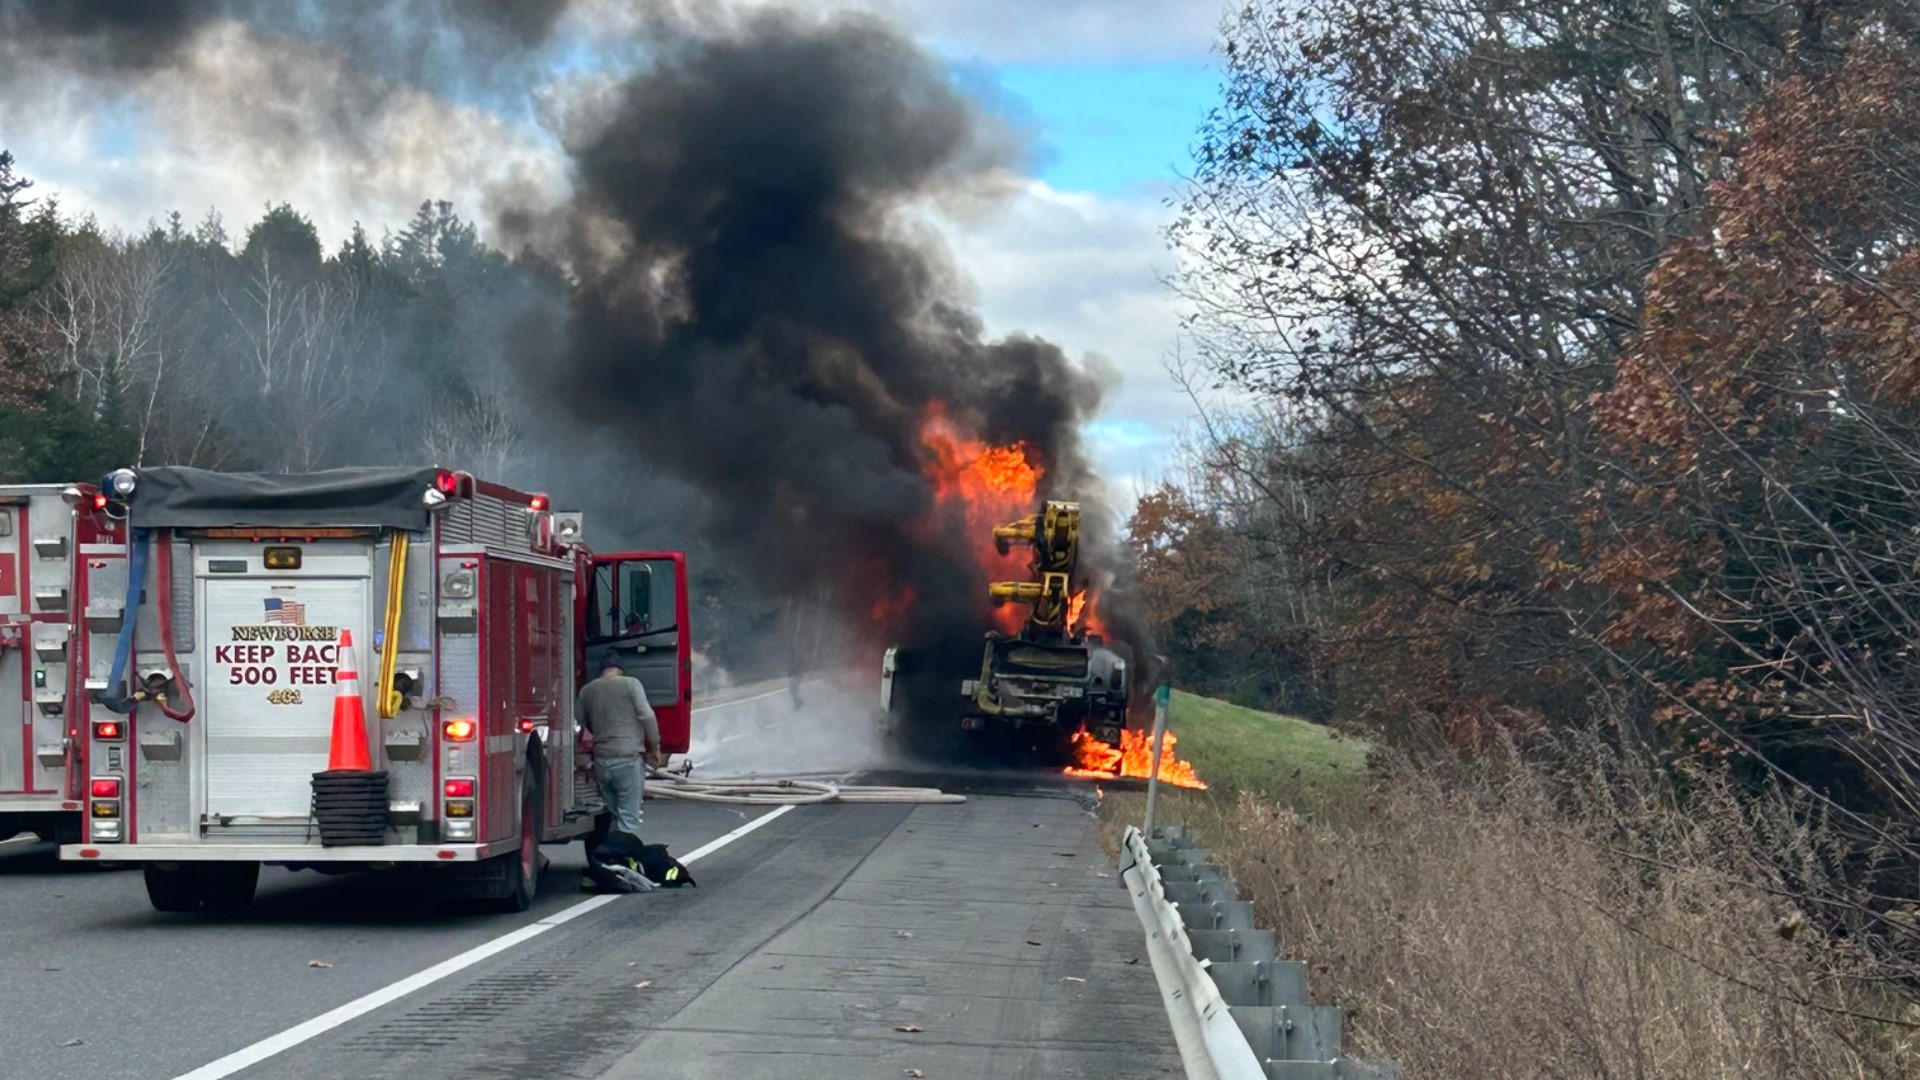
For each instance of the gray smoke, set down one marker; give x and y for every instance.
(149, 34)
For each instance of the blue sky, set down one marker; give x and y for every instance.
(1112, 128)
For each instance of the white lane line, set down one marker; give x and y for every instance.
(713, 846)
(386, 995)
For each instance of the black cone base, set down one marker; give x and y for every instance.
(350, 808)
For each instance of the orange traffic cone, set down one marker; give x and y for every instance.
(348, 750)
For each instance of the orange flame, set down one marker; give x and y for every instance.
(998, 479)
(1083, 612)
(991, 485)
(1098, 761)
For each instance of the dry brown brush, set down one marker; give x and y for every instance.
(1588, 919)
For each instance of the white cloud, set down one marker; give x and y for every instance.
(1084, 272)
(996, 31)
(308, 130)
(1061, 31)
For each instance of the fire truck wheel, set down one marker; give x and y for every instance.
(523, 865)
(65, 833)
(177, 889)
(228, 886)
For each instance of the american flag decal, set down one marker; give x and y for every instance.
(288, 612)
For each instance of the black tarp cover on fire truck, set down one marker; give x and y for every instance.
(370, 497)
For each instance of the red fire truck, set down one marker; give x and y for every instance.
(205, 725)
(39, 541)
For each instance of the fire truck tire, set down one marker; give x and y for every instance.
(224, 887)
(58, 834)
(228, 886)
(523, 864)
(173, 890)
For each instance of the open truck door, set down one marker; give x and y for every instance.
(634, 614)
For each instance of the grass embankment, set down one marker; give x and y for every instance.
(1501, 917)
(1237, 749)
(1239, 752)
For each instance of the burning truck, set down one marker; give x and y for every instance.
(1053, 676)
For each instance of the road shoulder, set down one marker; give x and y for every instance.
(988, 939)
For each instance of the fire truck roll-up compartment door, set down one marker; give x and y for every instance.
(16, 691)
(36, 585)
(269, 651)
(635, 615)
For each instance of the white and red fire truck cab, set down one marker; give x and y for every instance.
(40, 536)
(474, 610)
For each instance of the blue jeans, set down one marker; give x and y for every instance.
(622, 784)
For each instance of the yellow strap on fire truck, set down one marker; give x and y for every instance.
(390, 700)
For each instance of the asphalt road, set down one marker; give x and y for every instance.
(994, 931)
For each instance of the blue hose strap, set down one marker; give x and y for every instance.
(116, 697)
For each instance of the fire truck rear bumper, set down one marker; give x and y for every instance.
(285, 853)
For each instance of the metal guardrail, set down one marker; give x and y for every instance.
(1239, 1011)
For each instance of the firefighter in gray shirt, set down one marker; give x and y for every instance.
(619, 728)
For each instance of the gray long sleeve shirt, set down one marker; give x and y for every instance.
(615, 709)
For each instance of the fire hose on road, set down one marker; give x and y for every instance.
(749, 791)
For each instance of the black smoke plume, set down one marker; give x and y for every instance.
(758, 313)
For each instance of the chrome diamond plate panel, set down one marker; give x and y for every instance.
(460, 676)
(166, 793)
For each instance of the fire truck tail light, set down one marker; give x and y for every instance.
(281, 558)
(460, 808)
(105, 787)
(107, 729)
(458, 730)
(461, 788)
(106, 808)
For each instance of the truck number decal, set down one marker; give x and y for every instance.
(283, 697)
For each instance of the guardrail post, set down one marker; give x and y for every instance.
(1161, 698)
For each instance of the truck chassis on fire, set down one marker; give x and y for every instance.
(1053, 677)
(206, 710)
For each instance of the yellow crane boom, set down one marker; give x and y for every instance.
(1054, 536)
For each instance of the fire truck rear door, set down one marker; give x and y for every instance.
(270, 647)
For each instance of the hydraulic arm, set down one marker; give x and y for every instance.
(1054, 536)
